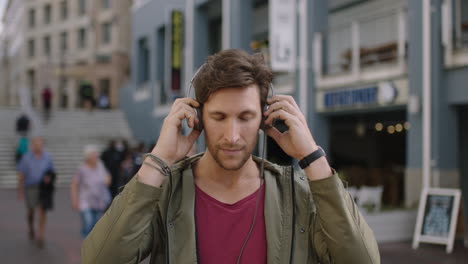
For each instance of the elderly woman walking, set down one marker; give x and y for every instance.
(89, 189)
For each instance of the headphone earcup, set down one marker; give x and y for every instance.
(262, 124)
(199, 126)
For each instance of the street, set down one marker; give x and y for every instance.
(62, 243)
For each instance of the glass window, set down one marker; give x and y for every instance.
(106, 33)
(64, 9)
(63, 41)
(47, 47)
(32, 18)
(143, 61)
(82, 37)
(106, 4)
(31, 48)
(47, 14)
(81, 7)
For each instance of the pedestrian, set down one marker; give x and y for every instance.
(47, 102)
(31, 172)
(89, 193)
(224, 205)
(22, 125)
(137, 156)
(126, 169)
(22, 148)
(103, 101)
(112, 158)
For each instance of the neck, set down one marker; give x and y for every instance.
(207, 169)
(37, 152)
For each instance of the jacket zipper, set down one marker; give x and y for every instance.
(293, 196)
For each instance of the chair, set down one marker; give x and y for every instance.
(370, 196)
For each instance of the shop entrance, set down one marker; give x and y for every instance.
(370, 150)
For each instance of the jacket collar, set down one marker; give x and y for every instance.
(277, 210)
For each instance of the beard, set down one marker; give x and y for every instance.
(227, 162)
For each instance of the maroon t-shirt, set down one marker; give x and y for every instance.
(222, 229)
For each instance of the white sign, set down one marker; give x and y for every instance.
(283, 35)
(437, 217)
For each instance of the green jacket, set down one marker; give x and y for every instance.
(306, 222)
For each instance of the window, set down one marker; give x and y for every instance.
(63, 41)
(64, 9)
(47, 14)
(31, 48)
(32, 18)
(160, 63)
(105, 4)
(81, 7)
(106, 33)
(143, 61)
(82, 38)
(47, 45)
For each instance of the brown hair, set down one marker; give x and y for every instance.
(232, 68)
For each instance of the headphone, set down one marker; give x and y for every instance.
(199, 126)
(199, 110)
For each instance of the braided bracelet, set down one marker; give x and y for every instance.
(154, 167)
(165, 169)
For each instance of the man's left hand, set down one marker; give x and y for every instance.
(297, 142)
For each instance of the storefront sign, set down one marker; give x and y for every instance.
(382, 93)
(351, 97)
(282, 35)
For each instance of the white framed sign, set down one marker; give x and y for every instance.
(282, 35)
(437, 217)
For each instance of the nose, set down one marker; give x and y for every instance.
(231, 131)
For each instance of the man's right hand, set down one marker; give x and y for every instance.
(172, 145)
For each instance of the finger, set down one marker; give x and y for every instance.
(184, 112)
(289, 104)
(187, 101)
(288, 118)
(193, 136)
(274, 133)
(284, 105)
(190, 115)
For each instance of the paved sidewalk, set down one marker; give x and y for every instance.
(63, 238)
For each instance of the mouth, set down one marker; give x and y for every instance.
(231, 151)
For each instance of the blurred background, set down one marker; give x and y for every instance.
(382, 83)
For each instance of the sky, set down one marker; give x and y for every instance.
(2, 6)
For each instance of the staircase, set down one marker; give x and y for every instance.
(65, 134)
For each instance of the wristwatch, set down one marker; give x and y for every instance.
(303, 163)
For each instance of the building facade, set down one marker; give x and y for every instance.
(66, 45)
(384, 93)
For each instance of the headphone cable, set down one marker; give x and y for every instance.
(262, 165)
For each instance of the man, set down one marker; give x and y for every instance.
(32, 171)
(47, 102)
(219, 207)
(112, 159)
(22, 125)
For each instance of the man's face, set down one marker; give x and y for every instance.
(231, 117)
(37, 144)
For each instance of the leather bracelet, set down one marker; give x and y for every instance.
(165, 169)
(303, 163)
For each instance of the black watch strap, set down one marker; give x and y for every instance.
(303, 163)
